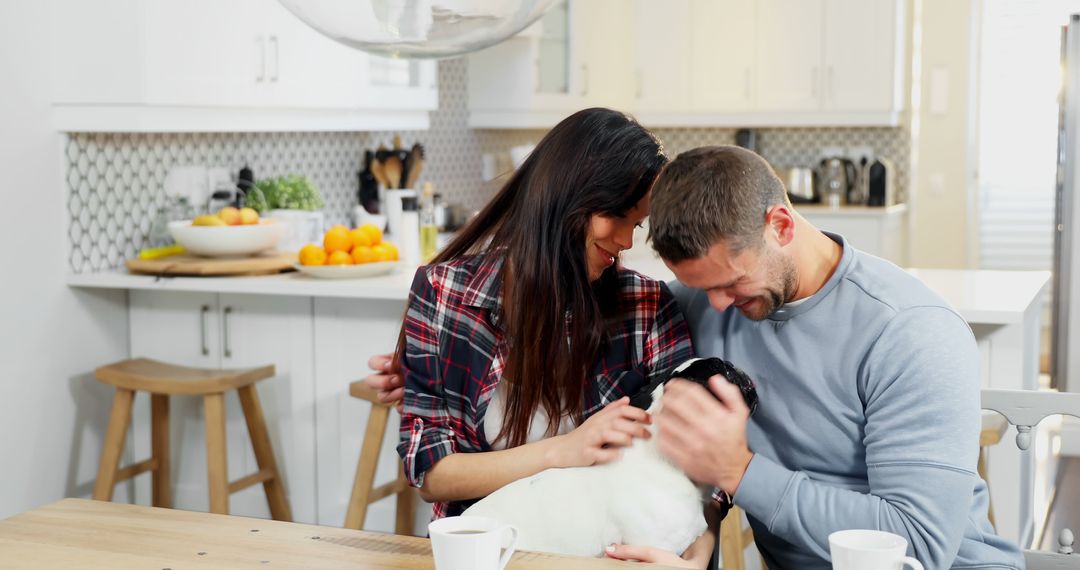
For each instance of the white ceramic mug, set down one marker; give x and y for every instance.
(869, 550)
(471, 543)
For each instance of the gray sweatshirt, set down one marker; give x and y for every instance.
(868, 418)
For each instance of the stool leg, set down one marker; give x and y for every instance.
(159, 443)
(982, 473)
(365, 468)
(264, 454)
(113, 446)
(406, 509)
(731, 545)
(216, 458)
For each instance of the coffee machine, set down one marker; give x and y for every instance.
(838, 177)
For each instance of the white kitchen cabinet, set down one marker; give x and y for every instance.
(723, 55)
(664, 53)
(347, 333)
(719, 63)
(221, 65)
(877, 231)
(574, 57)
(863, 55)
(789, 36)
(232, 331)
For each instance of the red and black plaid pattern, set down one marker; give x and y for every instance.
(455, 351)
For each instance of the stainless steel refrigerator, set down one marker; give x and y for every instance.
(1065, 366)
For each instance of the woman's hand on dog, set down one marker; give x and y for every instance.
(600, 438)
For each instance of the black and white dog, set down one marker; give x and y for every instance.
(639, 499)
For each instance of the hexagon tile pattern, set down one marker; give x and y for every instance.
(116, 181)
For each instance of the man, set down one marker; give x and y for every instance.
(868, 382)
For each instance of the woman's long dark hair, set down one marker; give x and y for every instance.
(596, 161)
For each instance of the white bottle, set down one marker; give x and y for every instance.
(409, 240)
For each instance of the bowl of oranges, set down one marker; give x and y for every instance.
(349, 253)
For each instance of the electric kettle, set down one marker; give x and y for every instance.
(838, 177)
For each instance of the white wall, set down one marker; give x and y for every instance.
(52, 412)
(942, 163)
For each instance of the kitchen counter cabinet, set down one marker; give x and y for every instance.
(231, 331)
(878, 231)
(318, 345)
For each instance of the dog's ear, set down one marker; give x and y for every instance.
(699, 370)
(644, 397)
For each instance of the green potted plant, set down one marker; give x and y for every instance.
(290, 199)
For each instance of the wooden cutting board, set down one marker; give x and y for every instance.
(193, 265)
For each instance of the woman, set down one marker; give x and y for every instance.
(523, 337)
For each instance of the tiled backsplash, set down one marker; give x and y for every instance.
(116, 181)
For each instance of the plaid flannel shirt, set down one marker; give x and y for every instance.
(455, 352)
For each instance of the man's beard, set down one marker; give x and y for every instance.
(780, 288)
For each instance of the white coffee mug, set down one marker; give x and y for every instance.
(471, 543)
(869, 550)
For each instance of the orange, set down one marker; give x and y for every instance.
(339, 258)
(337, 239)
(373, 232)
(360, 237)
(363, 254)
(312, 254)
(394, 255)
(385, 252)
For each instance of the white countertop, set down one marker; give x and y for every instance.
(984, 297)
(850, 211)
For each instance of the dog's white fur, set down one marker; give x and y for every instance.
(639, 499)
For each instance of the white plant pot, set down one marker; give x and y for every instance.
(304, 227)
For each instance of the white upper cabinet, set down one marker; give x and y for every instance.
(723, 63)
(663, 53)
(580, 54)
(789, 34)
(724, 35)
(863, 53)
(223, 65)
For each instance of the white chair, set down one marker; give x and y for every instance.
(1025, 409)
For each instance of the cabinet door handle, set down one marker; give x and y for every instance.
(260, 68)
(831, 89)
(202, 329)
(225, 332)
(274, 59)
(584, 80)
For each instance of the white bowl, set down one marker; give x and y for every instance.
(226, 241)
(349, 271)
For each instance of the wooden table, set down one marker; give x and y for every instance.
(77, 533)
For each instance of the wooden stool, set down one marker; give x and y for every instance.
(162, 380)
(994, 427)
(364, 491)
(734, 540)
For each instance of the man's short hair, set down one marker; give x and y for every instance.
(710, 194)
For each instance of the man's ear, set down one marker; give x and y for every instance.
(781, 223)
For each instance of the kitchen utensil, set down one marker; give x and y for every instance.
(880, 186)
(220, 241)
(837, 178)
(415, 165)
(746, 138)
(184, 264)
(378, 170)
(393, 200)
(349, 271)
(799, 183)
(368, 193)
(392, 167)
